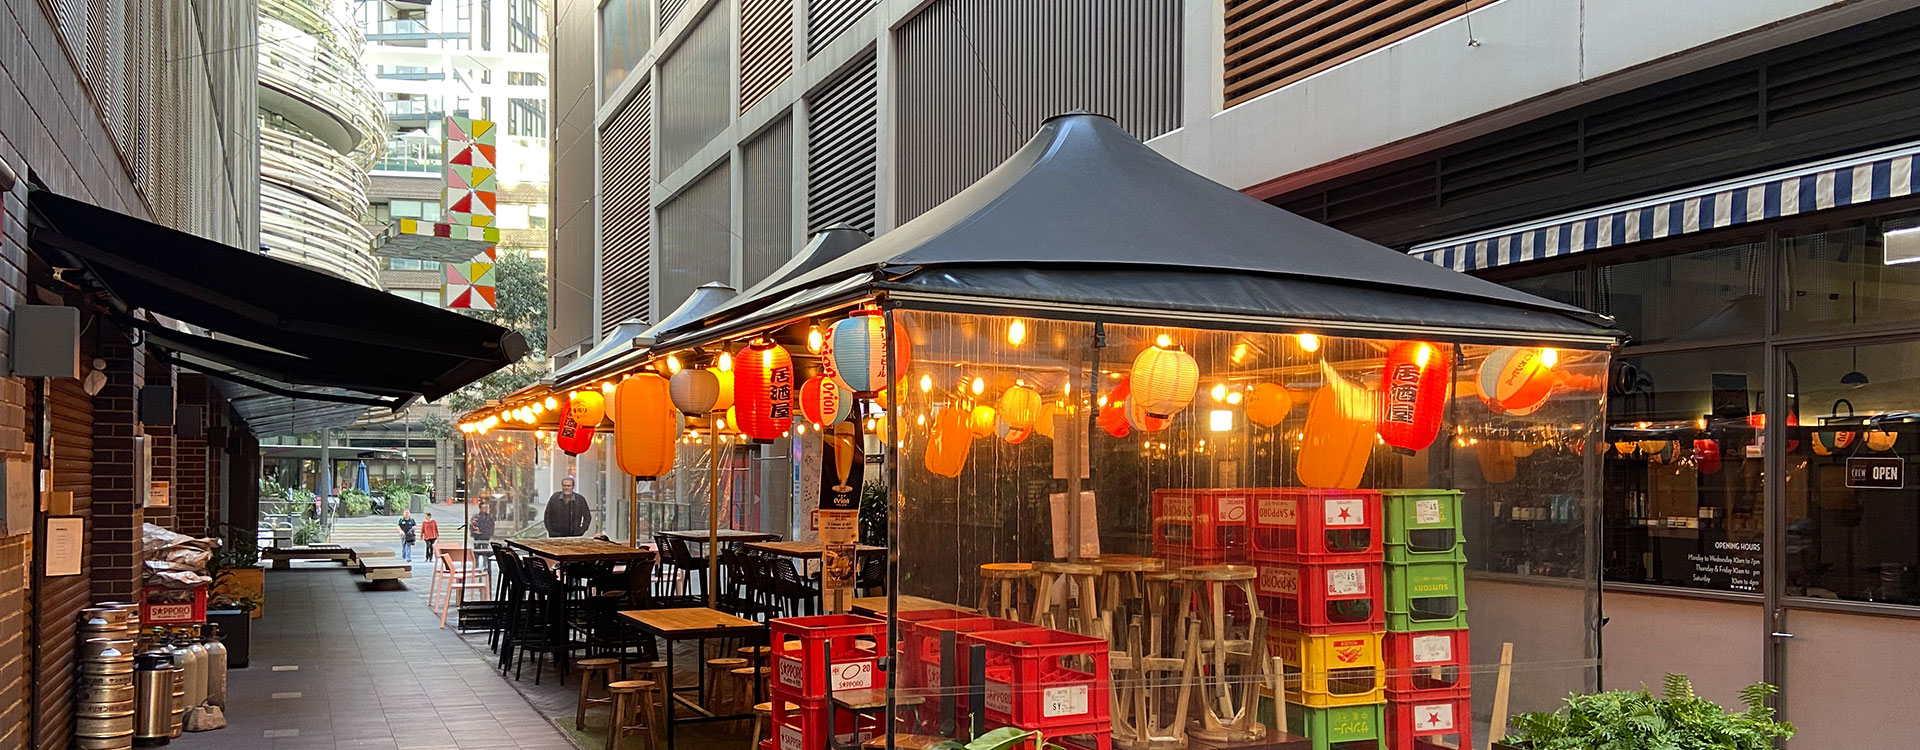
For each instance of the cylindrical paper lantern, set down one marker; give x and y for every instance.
(1516, 380)
(949, 442)
(1164, 380)
(1113, 416)
(981, 420)
(1414, 385)
(695, 392)
(1020, 407)
(857, 349)
(763, 390)
(1338, 437)
(587, 406)
(725, 380)
(1267, 404)
(822, 401)
(573, 438)
(647, 424)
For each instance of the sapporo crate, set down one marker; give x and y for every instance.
(1200, 524)
(1429, 660)
(800, 724)
(1426, 596)
(1321, 597)
(1317, 523)
(1430, 719)
(799, 644)
(1041, 679)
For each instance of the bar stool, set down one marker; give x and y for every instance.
(716, 668)
(1081, 612)
(1164, 605)
(655, 671)
(1234, 667)
(761, 713)
(742, 679)
(1124, 589)
(632, 701)
(1013, 579)
(755, 655)
(591, 671)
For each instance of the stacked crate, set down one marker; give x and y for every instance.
(1321, 582)
(921, 661)
(801, 686)
(1200, 527)
(1428, 687)
(1050, 681)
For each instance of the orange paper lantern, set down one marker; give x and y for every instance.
(949, 442)
(1338, 437)
(1164, 380)
(1020, 407)
(1113, 416)
(822, 401)
(763, 390)
(587, 406)
(1267, 404)
(1517, 381)
(646, 425)
(980, 420)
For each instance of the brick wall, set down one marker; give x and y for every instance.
(191, 469)
(116, 508)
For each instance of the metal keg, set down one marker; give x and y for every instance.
(104, 705)
(153, 702)
(111, 620)
(114, 688)
(177, 718)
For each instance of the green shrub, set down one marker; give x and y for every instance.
(1636, 720)
(309, 532)
(354, 503)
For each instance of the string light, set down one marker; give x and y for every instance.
(1016, 333)
(1163, 341)
(606, 387)
(673, 364)
(926, 383)
(1219, 391)
(815, 341)
(726, 362)
(979, 386)
(1309, 342)
(1235, 398)
(1549, 357)
(553, 403)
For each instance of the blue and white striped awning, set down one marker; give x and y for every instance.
(1877, 175)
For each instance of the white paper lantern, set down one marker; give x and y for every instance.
(1164, 381)
(695, 392)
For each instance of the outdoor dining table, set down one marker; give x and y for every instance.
(696, 624)
(805, 550)
(725, 536)
(876, 606)
(569, 550)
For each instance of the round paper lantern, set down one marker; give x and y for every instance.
(857, 348)
(1706, 455)
(587, 407)
(1415, 388)
(1516, 380)
(1138, 417)
(573, 438)
(1043, 424)
(695, 392)
(1113, 416)
(1625, 447)
(822, 402)
(1882, 440)
(1020, 407)
(1825, 442)
(1267, 404)
(1652, 447)
(763, 390)
(980, 420)
(1338, 437)
(647, 424)
(725, 379)
(1164, 380)
(1497, 464)
(1013, 435)
(949, 442)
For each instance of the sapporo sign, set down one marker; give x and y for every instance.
(1876, 473)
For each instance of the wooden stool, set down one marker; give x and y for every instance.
(1235, 666)
(1145, 685)
(1164, 606)
(1013, 579)
(761, 713)
(1081, 613)
(755, 655)
(632, 701)
(655, 671)
(1124, 589)
(716, 668)
(590, 671)
(743, 678)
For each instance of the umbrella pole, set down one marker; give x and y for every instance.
(713, 517)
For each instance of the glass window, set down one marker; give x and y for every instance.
(1839, 279)
(537, 216)
(1699, 296)
(406, 209)
(1682, 480)
(512, 216)
(626, 32)
(1567, 286)
(1853, 516)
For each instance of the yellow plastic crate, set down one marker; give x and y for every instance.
(1322, 671)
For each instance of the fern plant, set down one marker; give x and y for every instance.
(1636, 720)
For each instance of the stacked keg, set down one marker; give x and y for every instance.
(104, 709)
(182, 656)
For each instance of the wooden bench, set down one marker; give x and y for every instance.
(281, 556)
(384, 572)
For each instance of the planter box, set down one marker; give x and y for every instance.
(236, 631)
(250, 583)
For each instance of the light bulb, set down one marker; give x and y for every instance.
(1163, 341)
(1549, 357)
(1016, 333)
(726, 362)
(606, 387)
(979, 386)
(1219, 391)
(552, 403)
(1234, 398)
(673, 364)
(815, 342)
(1309, 342)
(1421, 356)
(926, 383)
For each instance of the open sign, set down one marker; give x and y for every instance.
(1876, 473)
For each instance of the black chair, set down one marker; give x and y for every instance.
(550, 632)
(797, 594)
(678, 557)
(743, 595)
(872, 579)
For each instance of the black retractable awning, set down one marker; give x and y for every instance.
(270, 326)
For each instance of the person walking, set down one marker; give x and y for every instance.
(430, 533)
(567, 512)
(406, 535)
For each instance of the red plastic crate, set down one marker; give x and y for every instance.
(1429, 720)
(1317, 523)
(160, 605)
(802, 725)
(920, 654)
(1321, 597)
(1201, 524)
(1432, 660)
(799, 672)
(1043, 679)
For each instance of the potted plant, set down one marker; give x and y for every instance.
(1636, 720)
(235, 569)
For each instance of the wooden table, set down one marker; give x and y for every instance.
(569, 550)
(805, 550)
(725, 536)
(876, 606)
(695, 623)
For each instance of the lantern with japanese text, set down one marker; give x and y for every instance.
(1338, 437)
(857, 348)
(695, 392)
(1517, 381)
(1020, 407)
(1164, 379)
(949, 442)
(1414, 386)
(1267, 404)
(822, 401)
(763, 390)
(1113, 414)
(587, 406)
(646, 425)
(573, 438)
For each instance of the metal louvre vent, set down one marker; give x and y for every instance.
(626, 233)
(826, 19)
(766, 210)
(1271, 43)
(669, 10)
(766, 47)
(696, 243)
(957, 121)
(843, 146)
(694, 90)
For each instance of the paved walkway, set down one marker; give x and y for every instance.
(335, 667)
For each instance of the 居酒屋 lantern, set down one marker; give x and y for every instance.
(1164, 379)
(822, 402)
(1415, 389)
(763, 390)
(587, 406)
(1020, 407)
(857, 349)
(572, 438)
(1267, 404)
(646, 425)
(1338, 437)
(1113, 414)
(949, 442)
(1517, 381)
(695, 392)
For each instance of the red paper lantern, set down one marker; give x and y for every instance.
(1414, 386)
(1113, 415)
(822, 401)
(763, 390)
(1706, 455)
(573, 438)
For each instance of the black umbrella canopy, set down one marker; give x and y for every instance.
(1083, 194)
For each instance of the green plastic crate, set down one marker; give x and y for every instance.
(1402, 554)
(1423, 520)
(1328, 727)
(1423, 596)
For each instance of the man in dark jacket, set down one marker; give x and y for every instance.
(567, 512)
(483, 525)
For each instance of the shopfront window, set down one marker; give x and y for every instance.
(1836, 280)
(1567, 286)
(1683, 483)
(1853, 514)
(1706, 295)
